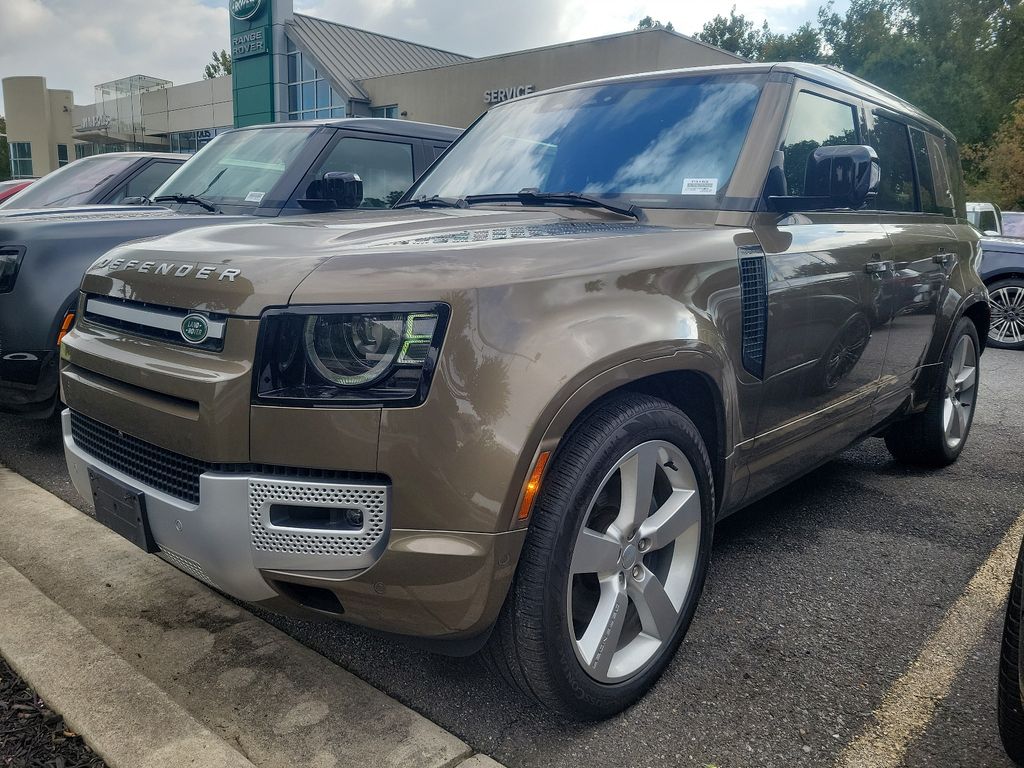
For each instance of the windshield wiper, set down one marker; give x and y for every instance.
(432, 202)
(531, 196)
(187, 199)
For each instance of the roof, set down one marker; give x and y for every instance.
(161, 155)
(829, 76)
(567, 43)
(383, 125)
(349, 54)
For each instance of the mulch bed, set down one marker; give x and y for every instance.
(34, 736)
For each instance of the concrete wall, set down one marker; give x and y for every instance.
(454, 95)
(203, 104)
(37, 115)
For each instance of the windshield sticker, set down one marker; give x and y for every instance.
(700, 186)
(254, 197)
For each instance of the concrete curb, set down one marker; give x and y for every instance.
(125, 718)
(175, 641)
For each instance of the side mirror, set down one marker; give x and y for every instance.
(344, 188)
(135, 200)
(844, 176)
(337, 189)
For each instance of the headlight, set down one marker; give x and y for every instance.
(10, 261)
(349, 356)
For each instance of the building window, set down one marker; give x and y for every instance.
(21, 159)
(62, 155)
(310, 96)
(388, 111)
(190, 142)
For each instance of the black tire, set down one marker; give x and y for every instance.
(1009, 705)
(1000, 285)
(531, 644)
(920, 439)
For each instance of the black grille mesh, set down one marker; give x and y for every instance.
(175, 474)
(754, 293)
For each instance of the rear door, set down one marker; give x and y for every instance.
(915, 207)
(825, 340)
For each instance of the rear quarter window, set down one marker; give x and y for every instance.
(935, 186)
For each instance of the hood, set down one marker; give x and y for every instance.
(1005, 244)
(388, 255)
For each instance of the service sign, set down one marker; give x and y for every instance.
(498, 95)
(252, 42)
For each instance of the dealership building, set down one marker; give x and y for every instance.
(290, 66)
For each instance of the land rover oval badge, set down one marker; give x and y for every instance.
(194, 329)
(244, 9)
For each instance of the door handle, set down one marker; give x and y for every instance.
(877, 267)
(942, 258)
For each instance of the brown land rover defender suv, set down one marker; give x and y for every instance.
(510, 411)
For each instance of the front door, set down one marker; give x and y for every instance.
(826, 337)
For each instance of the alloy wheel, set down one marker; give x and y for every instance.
(1007, 303)
(634, 562)
(961, 388)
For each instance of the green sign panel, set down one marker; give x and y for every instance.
(244, 9)
(252, 42)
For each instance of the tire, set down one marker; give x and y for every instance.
(540, 643)
(936, 436)
(1009, 705)
(1006, 298)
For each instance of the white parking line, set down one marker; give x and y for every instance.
(909, 705)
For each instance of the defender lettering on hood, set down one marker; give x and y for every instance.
(167, 268)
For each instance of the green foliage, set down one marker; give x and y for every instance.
(995, 173)
(221, 65)
(961, 61)
(647, 22)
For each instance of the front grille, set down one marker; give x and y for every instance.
(148, 331)
(175, 474)
(754, 297)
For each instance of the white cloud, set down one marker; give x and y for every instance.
(78, 43)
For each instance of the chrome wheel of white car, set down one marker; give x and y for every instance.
(634, 561)
(1006, 298)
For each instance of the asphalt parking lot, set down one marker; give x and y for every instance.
(819, 603)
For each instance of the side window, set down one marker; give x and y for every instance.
(891, 141)
(145, 182)
(817, 122)
(384, 166)
(933, 176)
(439, 150)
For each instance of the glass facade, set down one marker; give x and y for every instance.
(21, 159)
(62, 155)
(310, 96)
(190, 142)
(389, 111)
(119, 102)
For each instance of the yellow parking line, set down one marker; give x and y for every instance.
(909, 705)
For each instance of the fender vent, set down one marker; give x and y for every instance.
(754, 298)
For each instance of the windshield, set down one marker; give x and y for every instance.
(74, 184)
(659, 143)
(238, 168)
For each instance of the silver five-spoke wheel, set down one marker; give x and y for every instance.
(1007, 326)
(634, 561)
(961, 382)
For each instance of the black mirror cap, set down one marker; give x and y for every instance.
(344, 188)
(845, 177)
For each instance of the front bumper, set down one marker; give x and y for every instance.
(437, 584)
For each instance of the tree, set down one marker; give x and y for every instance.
(996, 172)
(5, 152)
(648, 22)
(735, 34)
(221, 65)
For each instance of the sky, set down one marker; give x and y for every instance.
(78, 43)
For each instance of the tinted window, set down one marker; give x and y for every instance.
(896, 187)
(145, 181)
(933, 175)
(816, 122)
(75, 184)
(384, 166)
(670, 142)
